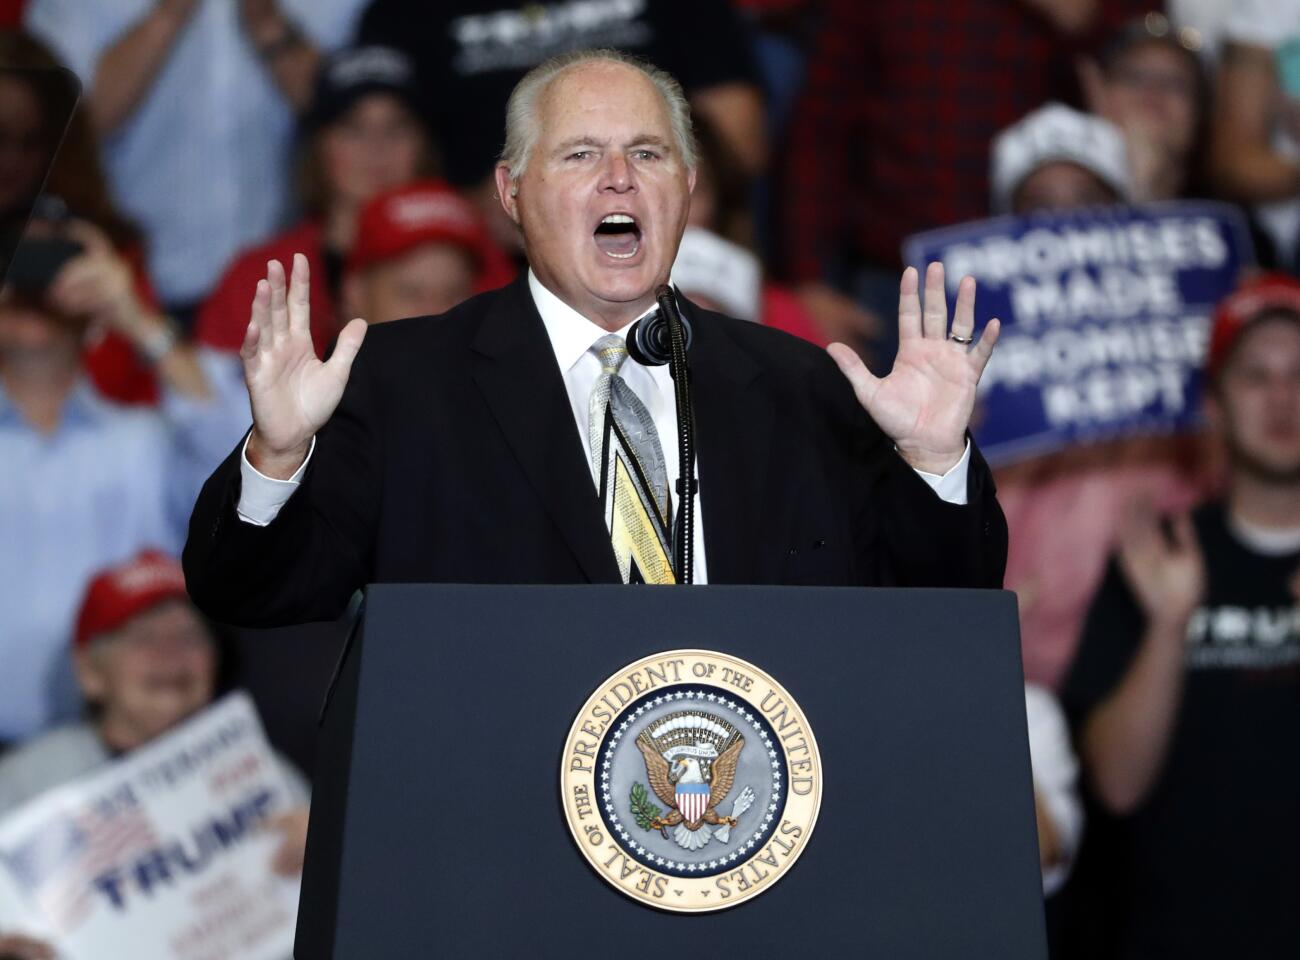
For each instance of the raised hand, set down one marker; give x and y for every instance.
(262, 20)
(925, 403)
(291, 391)
(1166, 573)
(838, 317)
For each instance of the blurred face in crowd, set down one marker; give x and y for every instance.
(704, 201)
(604, 197)
(153, 672)
(30, 331)
(1256, 405)
(24, 151)
(430, 279)
(1059, 186)
(1154, 87)
(376, 144)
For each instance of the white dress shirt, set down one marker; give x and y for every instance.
(572, 336)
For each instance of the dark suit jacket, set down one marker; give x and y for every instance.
(453, 457)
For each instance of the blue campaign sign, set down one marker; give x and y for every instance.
(1106, 317)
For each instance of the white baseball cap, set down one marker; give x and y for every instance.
(728, 274)
(1057, 133)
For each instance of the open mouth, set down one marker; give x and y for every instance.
(618, 235)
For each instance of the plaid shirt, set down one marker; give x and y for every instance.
(901, 103)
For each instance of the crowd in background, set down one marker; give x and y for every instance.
(1158, 577)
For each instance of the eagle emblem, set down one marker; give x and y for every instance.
(690, 761)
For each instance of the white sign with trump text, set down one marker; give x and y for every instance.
(162, 854)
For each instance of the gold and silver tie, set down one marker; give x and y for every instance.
(631, 476)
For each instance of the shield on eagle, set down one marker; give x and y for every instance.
(693, 800)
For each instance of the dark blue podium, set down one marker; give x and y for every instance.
(437, 828)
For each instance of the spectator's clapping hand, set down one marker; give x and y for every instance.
(1149, 158)
(1165, 570)
(1152, 159)
(14, 947)
(292, 828)
(838, 318)
(925, 403)
(291, 391)
(262, 20)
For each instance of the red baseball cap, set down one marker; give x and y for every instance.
(426, 211)
(119, 593)
(1235, 312)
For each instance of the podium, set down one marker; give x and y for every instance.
(437, 823)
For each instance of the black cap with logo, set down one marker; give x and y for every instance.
(355, 72)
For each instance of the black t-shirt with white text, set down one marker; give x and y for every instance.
(471, 53)
(1215, 848)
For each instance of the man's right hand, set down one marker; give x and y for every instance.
(291, 391)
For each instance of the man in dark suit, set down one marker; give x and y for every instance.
(508, 440)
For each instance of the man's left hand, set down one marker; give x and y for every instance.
(925, 403)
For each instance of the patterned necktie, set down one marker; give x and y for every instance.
(630, 472)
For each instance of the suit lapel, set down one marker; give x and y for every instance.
(514, 366)
(733, 425)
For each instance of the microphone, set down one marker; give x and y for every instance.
(650, 341)
(664, 337)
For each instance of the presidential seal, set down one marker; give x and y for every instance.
(691, 780)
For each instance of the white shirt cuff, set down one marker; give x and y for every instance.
(951, 487)
(260, 496)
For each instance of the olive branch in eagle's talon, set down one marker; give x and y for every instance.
(646, 814)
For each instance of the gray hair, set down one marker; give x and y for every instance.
(523, 129)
